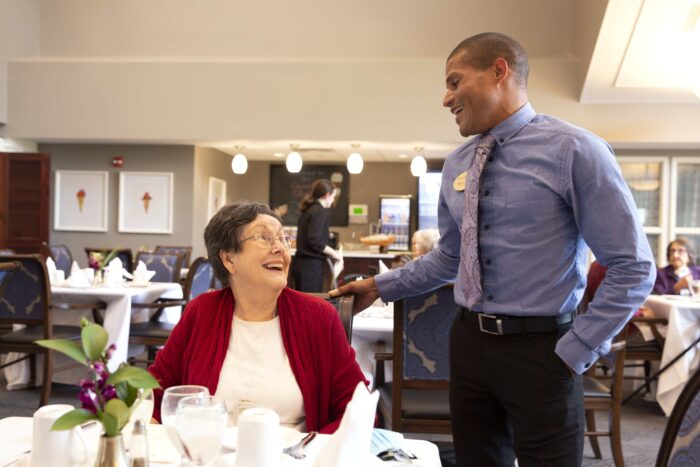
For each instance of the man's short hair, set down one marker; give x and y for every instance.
(481, 51)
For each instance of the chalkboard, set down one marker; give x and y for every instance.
(288, 189)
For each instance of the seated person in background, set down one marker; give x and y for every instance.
(681, 267)
(422, 242)
(257, 342)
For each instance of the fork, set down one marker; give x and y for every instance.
(297, 450)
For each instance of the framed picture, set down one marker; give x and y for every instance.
(288, 189)
(80, 200)
(146, 202)
(217, 195)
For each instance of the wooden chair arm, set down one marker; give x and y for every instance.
(383, 356)
(649, 321)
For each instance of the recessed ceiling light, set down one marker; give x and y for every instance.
(402, 156)
(278, 154)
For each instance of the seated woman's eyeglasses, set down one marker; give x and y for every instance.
(267, 239)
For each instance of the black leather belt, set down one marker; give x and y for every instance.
(500, 324)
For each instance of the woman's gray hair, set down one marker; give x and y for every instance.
(224, 230)
(427, 238)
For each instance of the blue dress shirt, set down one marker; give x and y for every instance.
(548, 189)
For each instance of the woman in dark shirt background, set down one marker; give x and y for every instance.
(312, 237)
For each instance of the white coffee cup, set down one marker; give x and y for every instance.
(112, 277)
(58, 276)
(90, 274)
(259, 440)
(54, 448)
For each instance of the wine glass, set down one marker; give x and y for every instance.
(200, 423)
(168, 409)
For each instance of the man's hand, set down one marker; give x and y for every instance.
(365, 292)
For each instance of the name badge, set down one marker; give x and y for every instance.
(460, 182)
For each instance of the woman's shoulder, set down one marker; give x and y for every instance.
(208, 302)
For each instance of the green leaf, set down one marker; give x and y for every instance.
(94, 339)
(110, 425)
(117, 408)
(71, 348)
(131, 396)
(135, 377)
(72, 419)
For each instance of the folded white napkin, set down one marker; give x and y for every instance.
(350, 444)
(383, 267)
(77, 276)
(116, 266)
(50, 268)
(141, 274)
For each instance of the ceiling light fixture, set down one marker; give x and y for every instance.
(355, 162)
(418, 164)
(239, 164)
(294, 162)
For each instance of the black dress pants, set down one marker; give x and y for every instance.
(308, 274)
(512, 396)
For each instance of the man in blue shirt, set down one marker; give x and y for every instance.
(547, 191)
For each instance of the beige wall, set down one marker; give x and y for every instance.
(176, 159)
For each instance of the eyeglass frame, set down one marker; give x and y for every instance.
(284, 239)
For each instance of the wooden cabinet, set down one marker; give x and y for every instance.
(24, 201)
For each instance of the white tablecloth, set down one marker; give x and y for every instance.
(117, 318)
(373, 331)
(683, 314)
(16, 439)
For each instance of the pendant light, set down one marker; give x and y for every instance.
(355, 162)
(294, 161)
(418, 164)
(239, 164)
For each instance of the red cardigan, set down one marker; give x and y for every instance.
(321, 358)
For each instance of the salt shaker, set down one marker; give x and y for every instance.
(138, 453)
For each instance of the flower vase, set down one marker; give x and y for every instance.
(98, 277)
(111, 452)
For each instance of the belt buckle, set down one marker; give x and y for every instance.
(499, 324)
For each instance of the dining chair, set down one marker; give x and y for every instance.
(417, 398)
(62, 257)
(598, 396)
(343, 305)
(681, 440)
(166, 265)
(124, 254)
(185, 251)
(154, 333)
(25, 299)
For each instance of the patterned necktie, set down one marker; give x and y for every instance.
(469, 256)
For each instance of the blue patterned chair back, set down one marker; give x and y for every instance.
(167, 267)
(185, 251)
(680, 445)
(427, 320)
(199, 278)
(63, 258)
(25, 296)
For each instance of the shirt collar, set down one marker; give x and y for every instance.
(513, 124)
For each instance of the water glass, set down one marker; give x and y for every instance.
(200, 423)
(168, 409)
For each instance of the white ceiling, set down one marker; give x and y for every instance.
(585, 55)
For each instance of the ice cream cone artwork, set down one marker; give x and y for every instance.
(146, 198)
(81, 199)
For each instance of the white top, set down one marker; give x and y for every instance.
(256, 373)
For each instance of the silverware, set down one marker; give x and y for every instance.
(297, 450)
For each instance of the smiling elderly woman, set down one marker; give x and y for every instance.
(257, 342)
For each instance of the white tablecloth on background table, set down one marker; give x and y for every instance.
(16, 439)
(117, 319)
(373, 331)
(683, 314)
